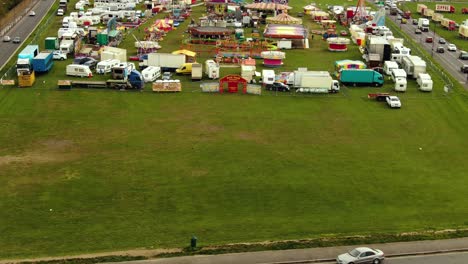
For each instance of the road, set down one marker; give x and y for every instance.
(448, 60)
(23, 29)
(454, 258)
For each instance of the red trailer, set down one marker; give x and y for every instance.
(445, 8)
(464, 10)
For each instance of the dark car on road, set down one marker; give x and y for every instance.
(88, 61)
(463, 55)
(440, 49)
(442, 41)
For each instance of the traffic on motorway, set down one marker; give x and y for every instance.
(447, 54)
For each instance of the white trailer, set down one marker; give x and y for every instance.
(197, 72)
(248, 72)
(151, 73)
(211, 69)
(413, 65)
(399, 78)
(106, 66)
(313, 81)
(268, 76)
(424, 82)
(167, 61)
(389, 66)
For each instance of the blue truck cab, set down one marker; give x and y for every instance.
(25, 58)
(136, 80)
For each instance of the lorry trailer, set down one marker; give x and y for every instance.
(362, 77)
(43, 62)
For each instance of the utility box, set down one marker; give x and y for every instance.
(51, 43)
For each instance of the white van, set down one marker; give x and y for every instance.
(79, 70)
(105, 66)
(151, 73)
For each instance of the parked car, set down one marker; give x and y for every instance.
(429, 39)
(17, 40)
(278, 86)
(451, 47)
(166, 76)
(417, 31)
(442, 41)
(60, 12)
(463, 55)
(362, 254)
(59, 55)
(32, 13)
(343, 33)
(393, 102)
(6, 39)
(88, 61)
(440, 49)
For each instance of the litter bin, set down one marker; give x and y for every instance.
(193, 242)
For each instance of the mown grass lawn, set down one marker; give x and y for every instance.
(100, 170)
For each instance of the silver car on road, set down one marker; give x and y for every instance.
(361, 255)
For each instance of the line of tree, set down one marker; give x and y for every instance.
(7, 5)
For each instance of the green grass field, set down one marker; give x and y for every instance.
(102, 170)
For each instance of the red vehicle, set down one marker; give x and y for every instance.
(429, 40)
(407, 15)
(464, 10)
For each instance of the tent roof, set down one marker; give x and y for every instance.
(185, 52)
(267, 6)
(284, 19)
(285, 31)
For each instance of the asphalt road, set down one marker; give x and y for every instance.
(449, 60)
(23, 29)
(453, 258)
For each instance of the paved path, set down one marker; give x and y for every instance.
(317, 254)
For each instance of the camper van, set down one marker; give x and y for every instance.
(151, 73)
(211, 69)
(79, 70)
(105, 66)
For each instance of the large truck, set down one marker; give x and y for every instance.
(43, 62)
(428, 13)
(448, 24)
(463, 31)
(306, 81)
(420, 8)
(133, 81)
(445, 8)
(167, 61)
(25, 58)
(423, 24)
(413, 65)
(362, 77)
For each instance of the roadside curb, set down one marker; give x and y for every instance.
(421, 253)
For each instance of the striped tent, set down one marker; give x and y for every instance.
(267, 6)
(284, 19)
